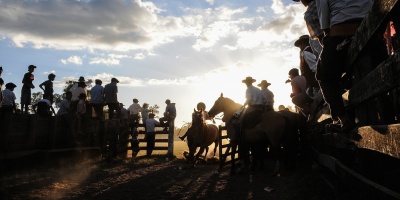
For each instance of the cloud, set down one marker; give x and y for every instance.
(122, 25)
(73, 59)
(211, 2)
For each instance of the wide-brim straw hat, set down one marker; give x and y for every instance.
(302, 38)
(249, 79)
(264, 83)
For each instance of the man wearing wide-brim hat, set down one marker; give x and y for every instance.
(255, 101)
(268, 95)
(111, 99)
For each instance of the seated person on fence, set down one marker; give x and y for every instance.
(43, 107)
(134, 116)
(151, 133)
(169, 115)
(299, 95)
(200, 106)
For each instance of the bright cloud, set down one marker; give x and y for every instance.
(73, 59)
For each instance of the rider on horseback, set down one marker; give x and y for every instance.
(256, 104)
(200, 106)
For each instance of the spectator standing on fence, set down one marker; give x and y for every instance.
(7, 107)
(169, 116)
(145, 112)
(340, 20)
(134, 111)
(44, 107)
(48, 87)
(75, 95)
(65, 114)
(97, 99)
(1, 86)
(151, 133)
(110, 95)
(313, 26)
(81, 112)
(81, 89)
(124, 113)
(27, 81)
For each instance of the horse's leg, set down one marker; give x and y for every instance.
(205, 155)
(216, 142)
(234, 145)
(276, 154)
(201, 150)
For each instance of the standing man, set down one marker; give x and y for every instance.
(8, 106)
(151, 133)
(340, 20)
(110, 95)
(1, 86)
(48, 87)
(96, 98)
(268, 95)
(308, 64)
(313, 26)
(26, 89)
(255, 101)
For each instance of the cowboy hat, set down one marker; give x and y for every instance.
(81, 79)
(114, 80)
(301, 39)
(264, 83)
(249, 79)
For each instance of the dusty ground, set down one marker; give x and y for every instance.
(157, 178)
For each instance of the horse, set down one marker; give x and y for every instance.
(271, 130)
(201, 135)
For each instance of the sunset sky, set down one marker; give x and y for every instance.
(184, 50)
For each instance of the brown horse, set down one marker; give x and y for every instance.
(200, 135)
(269, 131)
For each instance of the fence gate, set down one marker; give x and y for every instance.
(225, 148)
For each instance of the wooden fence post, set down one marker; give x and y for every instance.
(171, 130)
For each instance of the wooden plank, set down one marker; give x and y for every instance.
(18, 154)
(378, 16)
(380, 80)
(382, 138)
(157, 140)
(155, 148)
(353, 179)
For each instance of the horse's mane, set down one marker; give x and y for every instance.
(233, 107)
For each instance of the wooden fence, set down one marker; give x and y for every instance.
(225, 148)
(363, 159)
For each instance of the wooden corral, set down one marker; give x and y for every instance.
(368, 158)
(45, 139)
(224, 148)
(34, 139)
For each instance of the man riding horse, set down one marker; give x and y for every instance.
(256, 102)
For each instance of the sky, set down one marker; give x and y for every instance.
(188, 51)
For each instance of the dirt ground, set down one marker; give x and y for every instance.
(157, 177)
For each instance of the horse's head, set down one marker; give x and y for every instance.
(197, 117)
(217, 107)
